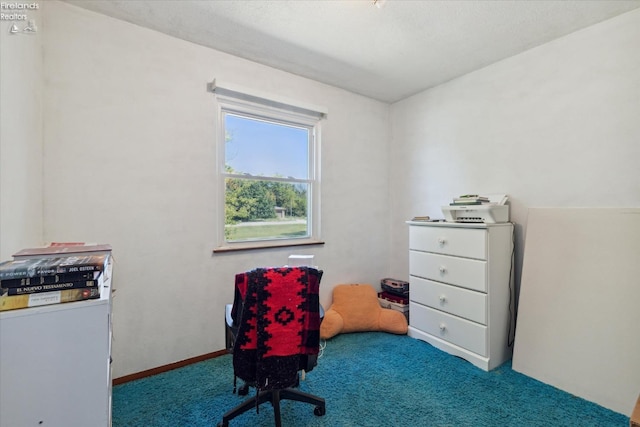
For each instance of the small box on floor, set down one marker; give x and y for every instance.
(394, 302)
(394, 286)
(397, 299)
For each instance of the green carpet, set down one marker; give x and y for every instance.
(367, 379)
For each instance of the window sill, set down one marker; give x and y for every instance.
(249, 246)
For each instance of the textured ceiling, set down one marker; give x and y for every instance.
(386, 53)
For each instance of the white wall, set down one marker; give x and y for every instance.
(557, 125)
(20, 136)
(129, 160)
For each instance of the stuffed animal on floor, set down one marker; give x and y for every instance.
(356, 308)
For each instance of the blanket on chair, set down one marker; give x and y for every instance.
(278, 314)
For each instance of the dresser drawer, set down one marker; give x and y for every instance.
(458, 331)
(461, 302)
(465, 272)
(462, 242)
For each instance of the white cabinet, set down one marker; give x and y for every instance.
(461, 298)
(55, 368)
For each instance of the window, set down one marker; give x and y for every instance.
(268, 173)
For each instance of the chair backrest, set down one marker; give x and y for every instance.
(278, 313)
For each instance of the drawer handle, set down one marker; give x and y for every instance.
(443, 269)
(443, 327)
(442, 241)
(443, 299)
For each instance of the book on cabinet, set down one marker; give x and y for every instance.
(14, 302)
(48, 266)
(50, 279)
(62, 249)
(50, 287)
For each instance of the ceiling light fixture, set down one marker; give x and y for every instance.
(379, 3)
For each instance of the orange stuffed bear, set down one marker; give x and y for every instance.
(356, 308)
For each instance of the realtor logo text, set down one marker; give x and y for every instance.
(19, 6)
(14, 10)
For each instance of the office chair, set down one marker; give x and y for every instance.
(273, 331)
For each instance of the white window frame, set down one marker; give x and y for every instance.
(245, 103)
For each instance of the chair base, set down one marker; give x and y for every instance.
(274, 396)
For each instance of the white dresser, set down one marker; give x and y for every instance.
(461, 295)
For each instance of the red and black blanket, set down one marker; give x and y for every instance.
(279, 324)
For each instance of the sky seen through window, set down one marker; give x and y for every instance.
(265, 148)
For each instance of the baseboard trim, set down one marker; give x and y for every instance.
(169, 367)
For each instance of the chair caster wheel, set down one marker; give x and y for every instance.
(243, 391)
(223, 424)
(319, 411)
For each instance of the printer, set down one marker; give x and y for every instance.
(488, 213)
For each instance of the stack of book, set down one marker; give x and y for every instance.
(30, 281)
(470, 199)
(395, 295)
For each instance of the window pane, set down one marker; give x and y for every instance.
(265, 210)
(264, 148)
